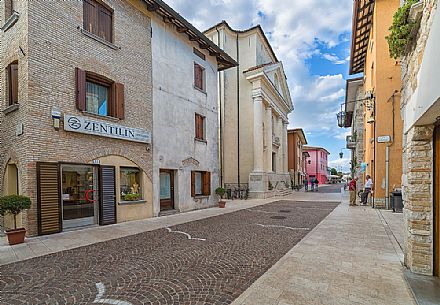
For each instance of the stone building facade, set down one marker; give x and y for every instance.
(254, 104)
(420, 109)
(76, 101)
(381, 75)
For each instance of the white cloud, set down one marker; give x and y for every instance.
(334, 59)
(340, 164)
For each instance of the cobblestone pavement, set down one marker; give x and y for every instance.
(330, 188)
(210, 261)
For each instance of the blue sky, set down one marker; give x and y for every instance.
(312, 39)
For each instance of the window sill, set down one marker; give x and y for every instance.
(200, 90)
(201, 197)
(132, 202)
(11, 21)
(11, 109)
(99, 39)
(97, 116)
(200, 140)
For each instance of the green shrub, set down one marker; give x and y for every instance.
(220, 191)
(400, 30)
(132, 197)
(14, 204)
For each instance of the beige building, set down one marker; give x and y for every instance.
(296, 140)
(420, 108)
(254, 103)
(76, 107)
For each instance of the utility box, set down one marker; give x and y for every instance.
(396, 201)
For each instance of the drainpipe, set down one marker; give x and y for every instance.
(387, 164)
(238, 113)
(220, 116)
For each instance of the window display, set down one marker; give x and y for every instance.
(130, 184)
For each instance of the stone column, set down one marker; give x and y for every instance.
(268, 135)
(284, 147)
(258, 134)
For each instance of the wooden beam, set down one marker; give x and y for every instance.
(152, 7)
(211, 53)
(203, 46)
(192, 38)
(181, 29)
(167, 19)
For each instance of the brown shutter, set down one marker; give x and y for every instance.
(107, 202)
(13, 83)
(206, 183)
(193, 184)
(105, 23)
(201, 121)
(196, 126)
(198, 81)
(90, 16)
(48, 198)
(80, 89)
(119, 104)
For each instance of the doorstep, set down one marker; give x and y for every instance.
(426, 289)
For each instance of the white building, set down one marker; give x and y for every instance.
(254, 104)
(185, 114)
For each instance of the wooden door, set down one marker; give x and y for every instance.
(48, 198)
(437, 201)
(166, 189)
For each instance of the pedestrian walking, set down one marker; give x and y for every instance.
(369, 186)
(352, 190)
(312, 184)
(316, 184)
(306, 184)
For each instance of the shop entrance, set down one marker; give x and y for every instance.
(437, 201)
(166, 189)
(79, 195)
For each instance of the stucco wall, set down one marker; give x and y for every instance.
(176, 102)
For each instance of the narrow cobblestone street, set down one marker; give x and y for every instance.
(209, 261)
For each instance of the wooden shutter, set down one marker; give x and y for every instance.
(119, 104)
(199, 126)
(48, 198)
(105, 23)
(198, 76)
(206, 183)
(13, 83)
(107, 201)
(193, 184)
(90, 16)
(80, 76)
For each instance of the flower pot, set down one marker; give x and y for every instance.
(221, 204)
(16, 236)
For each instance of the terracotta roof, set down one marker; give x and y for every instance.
(257, 27)
(362, 21)
(315, 148)
(300, 131)
(224, 61)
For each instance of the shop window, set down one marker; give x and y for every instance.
(199, 77)
(99, 95)
(98, 19)
(199, 127)
(12, 89)
(130, 184)
(200, 183)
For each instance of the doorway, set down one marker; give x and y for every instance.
(166, 189)
(79, 185)
(436, 204)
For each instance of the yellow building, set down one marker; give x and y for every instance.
(381, 82)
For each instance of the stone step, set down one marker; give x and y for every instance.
(168, 212)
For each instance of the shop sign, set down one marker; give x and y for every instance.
(383, 139)
(81, 124)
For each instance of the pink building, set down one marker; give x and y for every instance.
(317, 163)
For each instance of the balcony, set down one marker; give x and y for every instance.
(351, 142)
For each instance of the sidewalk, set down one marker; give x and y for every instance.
(349, 258)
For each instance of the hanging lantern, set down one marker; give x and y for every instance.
(341, 154)
(341, 118)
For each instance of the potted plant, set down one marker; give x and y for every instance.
(132, 197)
(14, 204)
(220, 192)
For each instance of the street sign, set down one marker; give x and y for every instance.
(383, 139)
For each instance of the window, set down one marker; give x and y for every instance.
(200, 183)
(130, 184)
(199, 77)
(199, 127)
(99, 95)
(98, 19)
(9, 8)
(12, 91)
